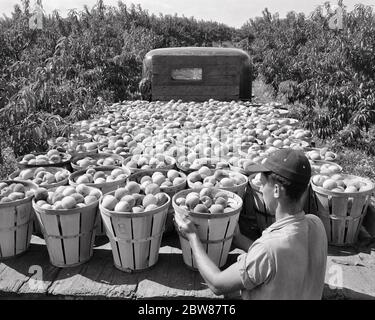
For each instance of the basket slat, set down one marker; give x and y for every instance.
(339, 209)
(54, 245)
(88, 235)
(23, 232)
(158, 224)
(233, 220)
(125, 251)
(7, 220)
(70, 226)
(142, 228)
(217, 231)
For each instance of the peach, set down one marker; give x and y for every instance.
(351, 189)
(68, 202)
(200, 208)
(149, 199)
(180, 201)
(221, 201)
(121, 192)
(329, 184)
(145, 178)
(78, 197)
(159, 179)
(123, 206)
(205, 192)
(152, 188)
(221, 194)
(68, 191)
(216, 208)
(204, 172)
(138, 209)
(100, 181)
(162, 198)
(173, 174)
(90, 199)
(206, 200)
(151, 207)
(138, 198)
(192, 200)
(227, 183)
(82, 189)
(129, 199)
(99, 174)
(95, 192)
(195, 177)
(109, 202)
(83, 179)
(16, 196)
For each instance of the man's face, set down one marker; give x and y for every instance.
(268, 190)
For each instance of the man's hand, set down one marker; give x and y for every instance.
(185, 225)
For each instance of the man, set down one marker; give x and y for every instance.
(289, 260)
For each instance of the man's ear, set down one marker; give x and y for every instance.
(276, 191)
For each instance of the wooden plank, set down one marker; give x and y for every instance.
(98, 278)
(40, 271)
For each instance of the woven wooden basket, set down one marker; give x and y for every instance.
(135, 237)
(214, 230)
(342, 213)
(64, 164)
(95, 156)
(16, 224)
(103, 187)
(69, 234)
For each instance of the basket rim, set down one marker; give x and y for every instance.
(32, 186)
(344, 194)
(94, 155)
(224, 188)
(76, 174)
(209, 215)
(65, 211)
(128, 159)
(110, 213)
(146, 172)
(25, 165)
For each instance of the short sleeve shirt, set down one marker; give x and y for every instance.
(287, 262)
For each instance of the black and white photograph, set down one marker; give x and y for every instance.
(184, 156)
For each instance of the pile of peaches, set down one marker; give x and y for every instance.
(11, 191)
(207, 200)
(135, 197)
(66, 197)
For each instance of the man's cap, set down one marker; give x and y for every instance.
(288, 163)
